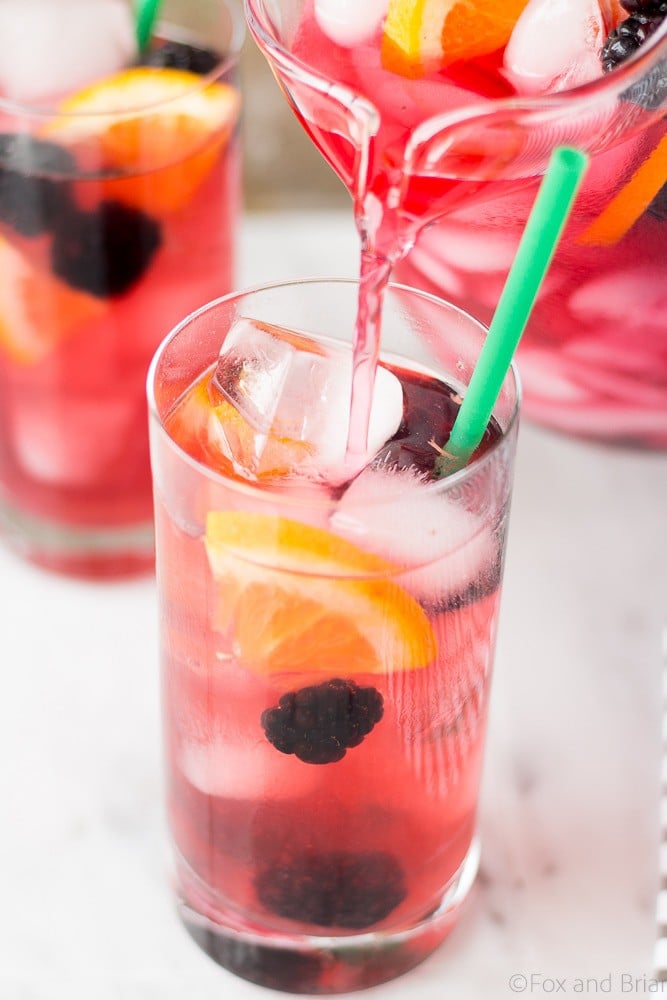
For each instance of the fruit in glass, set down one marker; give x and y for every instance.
(118, 199)
(327, 631)
(439, 117)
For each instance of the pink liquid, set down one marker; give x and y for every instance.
(595, 354)
(272, 845)
(74, 461)
(594, 358)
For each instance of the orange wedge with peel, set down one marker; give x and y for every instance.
(423, 36)
(296, 598)
(37, 311)
(161, 131)
(628, 204)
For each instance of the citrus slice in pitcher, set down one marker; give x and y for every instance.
(295, 598)
(423, 36)
(631, 201)
(159, 130)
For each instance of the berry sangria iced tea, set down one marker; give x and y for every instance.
(118, 200)
(327, 631)
(528, 75)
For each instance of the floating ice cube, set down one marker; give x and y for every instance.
(251, 371)
(609, 296)
(427, 258)
(294, 399)
(555, 44)
(50, 47)
(349, 22)
(444, 547)
(471, 249)
(549, 377)
(68, 447)
(442, 714)
(257, 771)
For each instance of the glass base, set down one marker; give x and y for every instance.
(313, 964)
(89, 552)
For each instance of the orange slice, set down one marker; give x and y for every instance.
(163, 129)
(37, 311)
(297, 598)
(422, 36)
(628, 204)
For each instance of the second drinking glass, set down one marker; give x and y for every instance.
(119, 192)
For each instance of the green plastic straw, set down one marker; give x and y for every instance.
(145, 16)
(536, 249)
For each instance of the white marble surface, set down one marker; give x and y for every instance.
(569, 814)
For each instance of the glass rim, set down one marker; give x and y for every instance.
(37, 109)
(630, 71)
(300, 501)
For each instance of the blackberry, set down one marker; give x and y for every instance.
(658, 206)
(178, 55)
(105, 251)
(640, 6)
(333, 888)
(631, 34)
(30, 194)
(275, 968)
(320, 723)
(429, 411)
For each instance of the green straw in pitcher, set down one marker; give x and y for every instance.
(145, 15)
(538, 244)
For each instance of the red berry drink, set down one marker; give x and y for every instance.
(510, 80)
(327, 635)
(118, 200)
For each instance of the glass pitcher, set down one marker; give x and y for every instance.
(594, 358)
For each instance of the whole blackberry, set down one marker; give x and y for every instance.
(33, 182)
(105, 251)
(631, 34)
(178, 55)
(333, 888)
(320, 723)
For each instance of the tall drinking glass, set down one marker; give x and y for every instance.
(327, 641)
(119, 193)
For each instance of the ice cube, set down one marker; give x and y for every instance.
(222, 768)
(293, 396)
(472, 250)
(548, 376)
(251, 371)
(555, 44)
(606, 297)
(51, 47)
(443, 547)
(428, 259)
(81, 441)
(348, 22)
